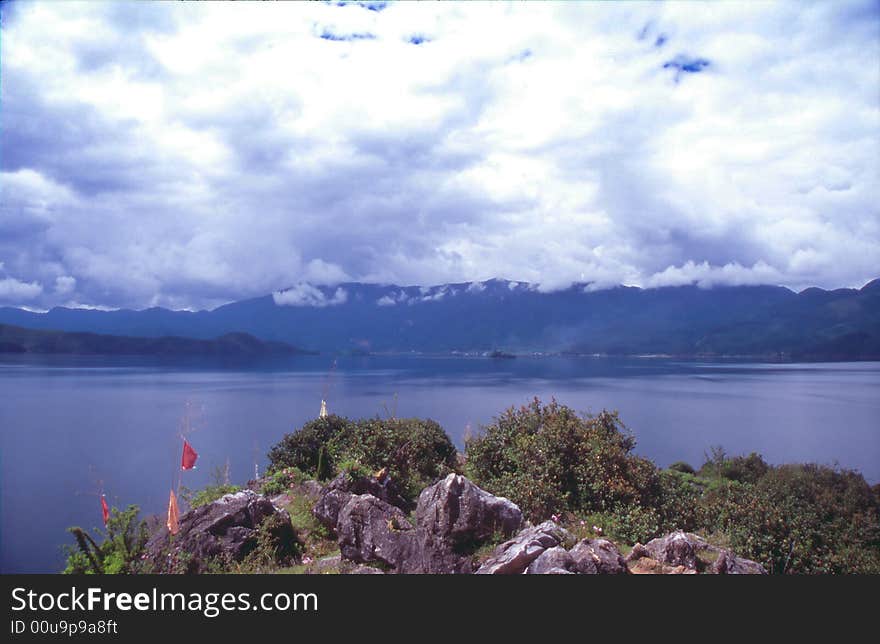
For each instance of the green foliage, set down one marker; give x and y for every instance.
(207, 495)
(801, 519)
(549, 460)
(276, 545)
(789, 518)
(281, 481)
(305, 449)
(744, 469)
(415, 452)
(684, 468)
(119, 552)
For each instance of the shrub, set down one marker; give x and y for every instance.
(548, 460)
(800, 519)
(744, 469)
(281, 481)
(118, 553)
(306, 448)
(415, 452)
(678, 506)
(276, 544)
(684, 468)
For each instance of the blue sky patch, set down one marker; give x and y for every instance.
(686, 64)
(329, 35)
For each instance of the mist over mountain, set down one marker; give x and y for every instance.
(515, 316)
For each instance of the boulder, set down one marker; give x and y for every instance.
(729, 564)
(334, 496)
(458, 514)
(372, 530)
(453, 517)
(514, 556)
(224, 529)
(686, 553)
(598, 557)
(553, 561)
(677, 549)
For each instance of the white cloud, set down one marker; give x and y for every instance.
(539, 142)
(14, 290)
(706, 276)
(65, 284)
(305, 294)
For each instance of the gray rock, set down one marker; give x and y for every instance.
(456, 512)
(311, 489)
(677, 549)
(223, 529)
(333, 563)
(366, 570)
(638, 551)
(553, 561)
(372, 530)
(453, 517)
(514, 556)
(598, 557)
(729, 564)
(336, 494)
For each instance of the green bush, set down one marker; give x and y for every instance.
(118, 553)
(684, 468)
(801, 519)
(280, 481)
(547, 459)
(416, 452)
(744, 469)
(306, 448)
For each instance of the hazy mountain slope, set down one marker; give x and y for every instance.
(14, 339)
(741, 320)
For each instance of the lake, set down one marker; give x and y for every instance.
(71, 426)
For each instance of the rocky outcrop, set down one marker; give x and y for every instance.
(515, 555)
(339, 491)
(676, 549)
(553, 561)
(457, 513)
(372, 530)
(226, 529)
(686, 553)
(598, 557)
(729, 564)
(452, 518)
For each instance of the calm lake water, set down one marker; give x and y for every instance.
(70, 425)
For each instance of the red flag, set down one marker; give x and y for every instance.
(188, 460)
(105, 511)
(172, 524)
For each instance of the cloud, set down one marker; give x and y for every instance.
(187, 155)
(14, 290)
(706, 276)
(65, 284)
(307, 295)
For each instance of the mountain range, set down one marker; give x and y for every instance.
(14, 339)
(769, 321)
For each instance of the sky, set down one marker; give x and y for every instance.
(186, 155)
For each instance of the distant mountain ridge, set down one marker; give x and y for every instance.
(15, 339)
(517, 317)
